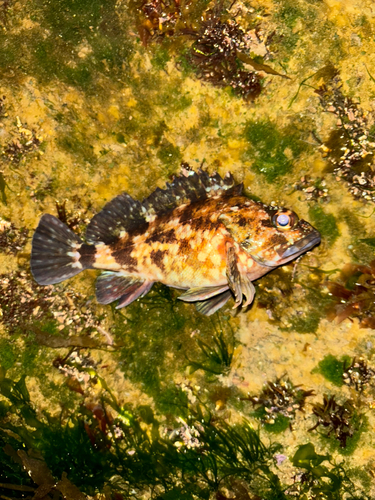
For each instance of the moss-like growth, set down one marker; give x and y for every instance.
(272, 150)
(293, 308)
(169, 154)
(160, 58)
(333, 368)
(325, 224)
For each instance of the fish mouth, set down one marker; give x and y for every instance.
(303, 245)
(300, 247)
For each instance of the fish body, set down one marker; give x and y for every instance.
(200, 234)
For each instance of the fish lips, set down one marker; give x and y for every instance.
(300, 247)
(303, 245)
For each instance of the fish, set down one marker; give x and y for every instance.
(200, 234)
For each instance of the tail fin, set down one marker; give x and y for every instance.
(55, 252)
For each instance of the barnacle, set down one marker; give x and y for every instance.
(314, 189)
(280, 397)
(23, 302)
(353, 296)
(27, 141)
(339, 419)
(359, 375)
(350, 147)
(12, 239)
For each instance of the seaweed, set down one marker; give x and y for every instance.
(333, 369)
(325, 223)
(321, 478)
(277, 404)
(342, 421)
(272, 150)
(353, 295)
(215, 54)
(132, 452)
(293, 299)
(220, 50)
(218, 354)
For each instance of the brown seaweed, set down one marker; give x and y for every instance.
(353, 295)
(336, 418)
(280, 397)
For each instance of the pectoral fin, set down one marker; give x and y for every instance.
(202, 293)
(239, 283)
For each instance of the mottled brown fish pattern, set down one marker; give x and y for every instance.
(200, 234)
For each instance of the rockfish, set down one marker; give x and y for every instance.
(200, 234)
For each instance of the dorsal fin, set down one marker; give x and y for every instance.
(123, 214)
(188, 188)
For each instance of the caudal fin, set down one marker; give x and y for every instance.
(55, 252)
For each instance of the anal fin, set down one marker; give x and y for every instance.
(202, 293)
(210, 306)
(111, 286)
(134, 292)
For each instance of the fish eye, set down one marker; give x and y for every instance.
(284, 219)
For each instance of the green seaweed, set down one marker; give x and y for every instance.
(8, 354)
(333, 368)
(207, 452)
(160, 58)
(289, 14)
(280, 424)
(271, 149)
(308, 322)
(325, 223)
(216, 356)
(169, 154)
(323, 480)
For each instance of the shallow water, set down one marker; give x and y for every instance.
(154, 400)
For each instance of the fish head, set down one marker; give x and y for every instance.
(271, 236)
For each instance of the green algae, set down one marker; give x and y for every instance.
(169, 154)
(8, 354)
(281, 424)
(227, 451)
(333, 368)
(273, 151)
(160, 58)
(325, 223)
(322, 477)
(217, 355)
